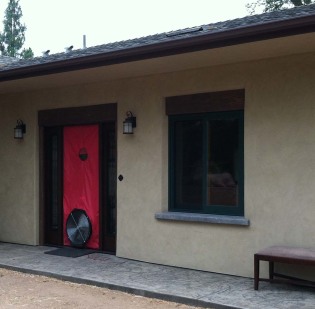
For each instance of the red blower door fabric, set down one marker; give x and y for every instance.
(81, 177)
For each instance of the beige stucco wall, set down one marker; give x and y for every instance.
(279, 163)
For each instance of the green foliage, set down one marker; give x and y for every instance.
(276, 5)
(27, 53)
(13, 36)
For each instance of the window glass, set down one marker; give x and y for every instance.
(188, 164)
(206, 163)
(223, 154)
(54, 183)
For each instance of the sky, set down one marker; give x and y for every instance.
(56, 24)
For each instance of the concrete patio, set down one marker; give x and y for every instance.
(187, 286)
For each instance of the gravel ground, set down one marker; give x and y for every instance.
(19, 290)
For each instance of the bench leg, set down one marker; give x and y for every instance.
(256, 272)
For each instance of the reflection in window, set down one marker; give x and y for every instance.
(223, 154)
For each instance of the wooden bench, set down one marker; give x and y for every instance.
(283, 254)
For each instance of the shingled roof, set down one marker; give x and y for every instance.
(6, 61)
(241, 30)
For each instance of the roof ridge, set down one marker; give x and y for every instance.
(165, 37)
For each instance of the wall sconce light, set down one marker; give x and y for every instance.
(19, 130)
(129, 123)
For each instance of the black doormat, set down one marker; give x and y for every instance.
(70, 252)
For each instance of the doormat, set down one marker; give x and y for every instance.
(70, 252)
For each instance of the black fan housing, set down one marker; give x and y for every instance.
(78, 228)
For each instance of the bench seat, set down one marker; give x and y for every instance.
(283, 254)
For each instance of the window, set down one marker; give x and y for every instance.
(206, 158)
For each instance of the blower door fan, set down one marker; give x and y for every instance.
(78, 228)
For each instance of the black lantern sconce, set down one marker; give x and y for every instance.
(19, 130)
(129, 123)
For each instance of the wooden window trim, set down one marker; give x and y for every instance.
(186, 107)
(219, 101)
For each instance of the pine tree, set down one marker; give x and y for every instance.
(27, 53)
(13, 36)
(276, 5)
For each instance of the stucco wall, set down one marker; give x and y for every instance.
(279, 163)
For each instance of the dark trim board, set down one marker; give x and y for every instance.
(230, 100)
(77, 115)
(41, 186)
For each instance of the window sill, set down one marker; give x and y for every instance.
(203, 218)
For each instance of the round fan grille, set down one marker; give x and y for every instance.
(78, 227)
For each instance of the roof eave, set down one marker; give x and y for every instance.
(215, 39)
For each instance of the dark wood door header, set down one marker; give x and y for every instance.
(77, 115)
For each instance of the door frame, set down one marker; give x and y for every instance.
(94, 114)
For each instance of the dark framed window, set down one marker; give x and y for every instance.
(206, 160)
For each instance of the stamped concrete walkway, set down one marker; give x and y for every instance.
(170, 283)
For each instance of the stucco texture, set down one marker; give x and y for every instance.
(279, 163)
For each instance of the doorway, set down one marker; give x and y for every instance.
(79, 172)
